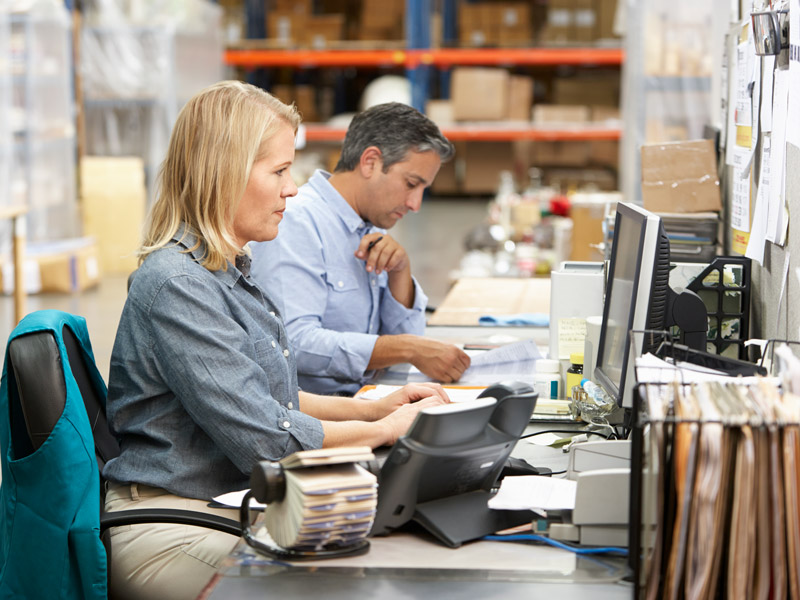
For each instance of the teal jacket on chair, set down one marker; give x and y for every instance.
(50, 543)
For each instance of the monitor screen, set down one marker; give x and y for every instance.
(637, 284)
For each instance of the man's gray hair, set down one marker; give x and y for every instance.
(395, 129)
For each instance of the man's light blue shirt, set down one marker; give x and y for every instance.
(333, 308)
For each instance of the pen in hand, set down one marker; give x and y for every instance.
(371, 245)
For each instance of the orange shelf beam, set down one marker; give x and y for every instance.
(468, 133)
(323, 133)
(447, 57)
(315, 58)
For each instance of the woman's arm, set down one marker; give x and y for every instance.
(337, 408)
(383, 432)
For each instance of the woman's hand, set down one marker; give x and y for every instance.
(408, 394)
(398, 422)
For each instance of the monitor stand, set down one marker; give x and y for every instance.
(458, 519)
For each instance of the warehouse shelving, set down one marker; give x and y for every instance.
(250, 58)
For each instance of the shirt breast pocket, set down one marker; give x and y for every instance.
(341, 281)
(268, 356)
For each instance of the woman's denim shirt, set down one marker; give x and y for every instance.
(202, 383)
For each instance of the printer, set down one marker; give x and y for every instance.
(600, 517)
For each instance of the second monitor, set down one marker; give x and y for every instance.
(638, 298)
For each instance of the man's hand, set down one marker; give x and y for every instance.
(438, 360)
(382, 253)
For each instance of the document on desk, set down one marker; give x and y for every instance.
(534, 492)
(517, 360)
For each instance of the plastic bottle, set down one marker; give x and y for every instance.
(547, 380)
(505, 199)
(575, 372)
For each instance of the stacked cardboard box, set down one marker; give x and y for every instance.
(302, 96)
(61, 266)
(579, 21)
(494, 23)
(381, 19)
(113, 198)
(292, 23)
(502, 95)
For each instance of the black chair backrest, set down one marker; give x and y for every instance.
(39, 375)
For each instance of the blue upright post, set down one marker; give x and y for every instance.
(418, 37)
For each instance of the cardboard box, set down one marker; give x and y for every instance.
(605, 113)
(483, 162)
(600, 89)
(560, 24)
(560, 114)
(113, 200)
(305, 100)
(580, 179)
(585, 20)
(604, 153)
(587, 211)
(286, 27)
(447, 181)
(520, 97)
(560, 154)
(606, 14)
(440, 112)
(61, 266)
(321, 30)
(479, 93)
(680, 177)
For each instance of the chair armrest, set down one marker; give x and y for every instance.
(169, 515)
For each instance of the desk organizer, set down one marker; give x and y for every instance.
(320, 504)
(715, 489)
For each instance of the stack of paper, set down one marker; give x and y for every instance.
(329, 500)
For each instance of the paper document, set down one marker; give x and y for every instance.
(535, 492)
(234, 500)
(520, 351)
(512, 361)
(454, 393)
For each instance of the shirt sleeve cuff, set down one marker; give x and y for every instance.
(396, 318)
(304, 429)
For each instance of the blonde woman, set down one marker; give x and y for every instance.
(203, 383)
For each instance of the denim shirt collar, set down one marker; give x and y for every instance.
(186, 237)
(329, 194)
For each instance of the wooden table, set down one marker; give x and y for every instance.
(17, 216)
(473, 297)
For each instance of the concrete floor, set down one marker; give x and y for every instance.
(433, 238)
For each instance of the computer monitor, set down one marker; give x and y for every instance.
(638, 298)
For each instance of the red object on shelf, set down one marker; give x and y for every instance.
(559, 205)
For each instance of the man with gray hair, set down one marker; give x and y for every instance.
(350, 303)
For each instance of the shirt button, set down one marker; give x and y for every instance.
(290, 405)
(273, 343)
(373, 281)
(286, 352)
(272, 312)
(287, 424)
(340, 284)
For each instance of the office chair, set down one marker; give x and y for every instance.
(55, 440)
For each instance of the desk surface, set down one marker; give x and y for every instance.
(472, 297)
(404, 565)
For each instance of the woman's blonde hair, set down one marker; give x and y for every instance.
(217, 137)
